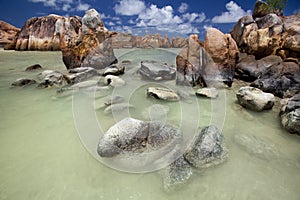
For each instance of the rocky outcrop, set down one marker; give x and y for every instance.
(249, 69)
(282, 80)
(135, 136)
(151, 41)
(91, 48)
(212, 65)
(156, 71)
(179, 42)
(268, 34)
(163, 94)
(44, 33)
(208, 148)
(290, 114)
(122, 40)
(7, 33)
(51, 78)
(255, 99)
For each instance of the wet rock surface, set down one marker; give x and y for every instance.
(207, 92)
(255, 99)
(290, 114)
(22, 82)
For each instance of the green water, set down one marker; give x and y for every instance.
(42, 156)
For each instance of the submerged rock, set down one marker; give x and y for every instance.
(255, 99)
(114, 81)
(33, 67)
(156, 71)
(22, 82)
(156, 112)
(177, 174)
(114, 100)
(117, 108)
(135, 136)
(290, 114)
(208, 92)
(257, 146)
(115, 70)
(81, 74)
(163, 94)
(208, 149)
(53, 78)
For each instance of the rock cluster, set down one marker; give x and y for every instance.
(290, 114)
(265, 33)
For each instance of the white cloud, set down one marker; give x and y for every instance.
(234, 13)
(183, 7)
(207, 26)
(194, 17)
(111, 24)
(129, 7)
(65, 5)
(131, 21)
(82, 6)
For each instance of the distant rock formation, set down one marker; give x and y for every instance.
(7, 33)
(44, 33)
(266, 33)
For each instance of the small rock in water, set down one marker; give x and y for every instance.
(53, 78)
(177, 174)
(112, 80)
(255, 99)
(114, 100)
(22, 82)
(115, 70)
(208, 92)
(208, 148)
(290, 114)
(163, 94)
(33, 67)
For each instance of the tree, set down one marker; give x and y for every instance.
(276, 6)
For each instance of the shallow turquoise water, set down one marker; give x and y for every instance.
(42, 157)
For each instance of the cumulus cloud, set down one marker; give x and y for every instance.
(129, 7)
(233, 14)
(65, 5)
(194, 17)
(183, 7)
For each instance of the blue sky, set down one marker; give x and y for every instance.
(133, 16)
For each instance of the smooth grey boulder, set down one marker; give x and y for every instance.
(290, 114)
(156, 71)
(207, 92)
(163, 94)
(112, 80)
(208, 148)
(255, 99)
(135, 136)
(22, 82)
(177, 174)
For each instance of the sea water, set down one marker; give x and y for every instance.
(47, 146)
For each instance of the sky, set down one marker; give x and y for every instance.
(183, 17)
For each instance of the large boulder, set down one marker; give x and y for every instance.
(283, 80)
(179, 42)
(255, 99)
(268, 35)
(7, 33)
(122, 40)
(290, 114)
(44, 33)
(208, 149)
(91, 48)
(212, 65)
(157, 71)
(135, 136)
(249, 69)
(223, 50)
